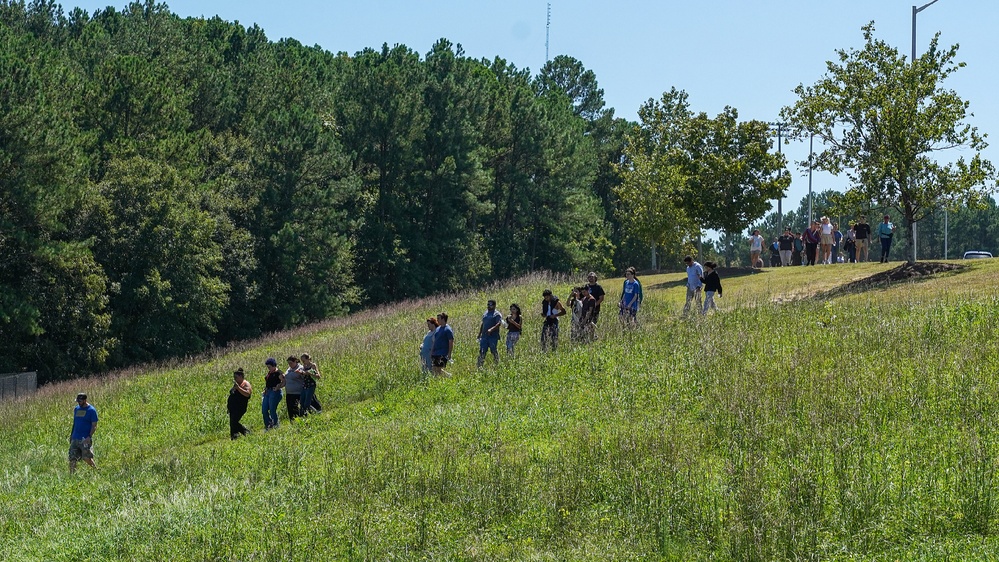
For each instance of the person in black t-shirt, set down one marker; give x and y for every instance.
(862, 235)
(597, 292)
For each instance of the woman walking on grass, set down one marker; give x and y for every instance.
(310, 404)
(273, 383)
(712, 285)
(239, 398)
(827, 240)
(513, 322)
(294, 384)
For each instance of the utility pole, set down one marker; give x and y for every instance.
(915, 10)
(780, 213)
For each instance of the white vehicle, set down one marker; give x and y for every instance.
(977, 255)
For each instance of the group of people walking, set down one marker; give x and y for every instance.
(297, 384)
(822, 241)
(701, 278)
(584, 309)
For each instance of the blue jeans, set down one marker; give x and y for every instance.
(488, 344)
(885, 248)
(270, 406)
(306, 401)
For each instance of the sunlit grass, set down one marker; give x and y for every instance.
(785, 426)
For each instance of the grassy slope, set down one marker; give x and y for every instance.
(786, 426)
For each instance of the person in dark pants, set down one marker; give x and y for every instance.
(551, 309)
(273, 383)
(886, 230)
(489, 333)
(239, 397)
(294, 384)
(309, 402)
(812, 238)
(598, 294)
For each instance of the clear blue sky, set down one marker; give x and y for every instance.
(743, 53)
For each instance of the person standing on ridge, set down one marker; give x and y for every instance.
(785, 245)
(886, 230)
(428, 340)
(82, 435)
(862, 234)
(755, 248)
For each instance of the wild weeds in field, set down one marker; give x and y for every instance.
(857, 428)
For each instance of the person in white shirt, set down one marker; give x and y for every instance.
(755, 249)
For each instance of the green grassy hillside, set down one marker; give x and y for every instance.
(802, 421)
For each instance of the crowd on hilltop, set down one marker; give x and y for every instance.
(824, 243)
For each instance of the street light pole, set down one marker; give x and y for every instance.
(811, 153)
(780, 213)
(915, 10)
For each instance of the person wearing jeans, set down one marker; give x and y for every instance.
(274, 382)
(886, 230)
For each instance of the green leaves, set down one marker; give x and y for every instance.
(884, 119)
(688, 172)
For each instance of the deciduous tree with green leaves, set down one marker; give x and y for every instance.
(688, 172)
(885, 120)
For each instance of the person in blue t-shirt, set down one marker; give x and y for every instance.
(428, 339)
(442, 346)
(631, 298)
(489, 333)
(82, 435)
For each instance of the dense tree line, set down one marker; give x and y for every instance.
(167, 184)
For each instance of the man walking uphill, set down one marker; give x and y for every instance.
(694, 284)
(489, 333)
(81, 437)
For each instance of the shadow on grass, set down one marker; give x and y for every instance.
(904, 273)
(723, 272)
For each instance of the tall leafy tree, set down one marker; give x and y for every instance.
(688, 172)
(54, 315)
(885, 121)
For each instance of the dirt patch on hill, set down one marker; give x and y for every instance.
(903, 273)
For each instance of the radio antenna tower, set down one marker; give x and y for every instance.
(548, 29)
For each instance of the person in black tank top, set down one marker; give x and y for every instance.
(239, 397)
(513, 323)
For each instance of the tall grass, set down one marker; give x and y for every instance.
(859, 428)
